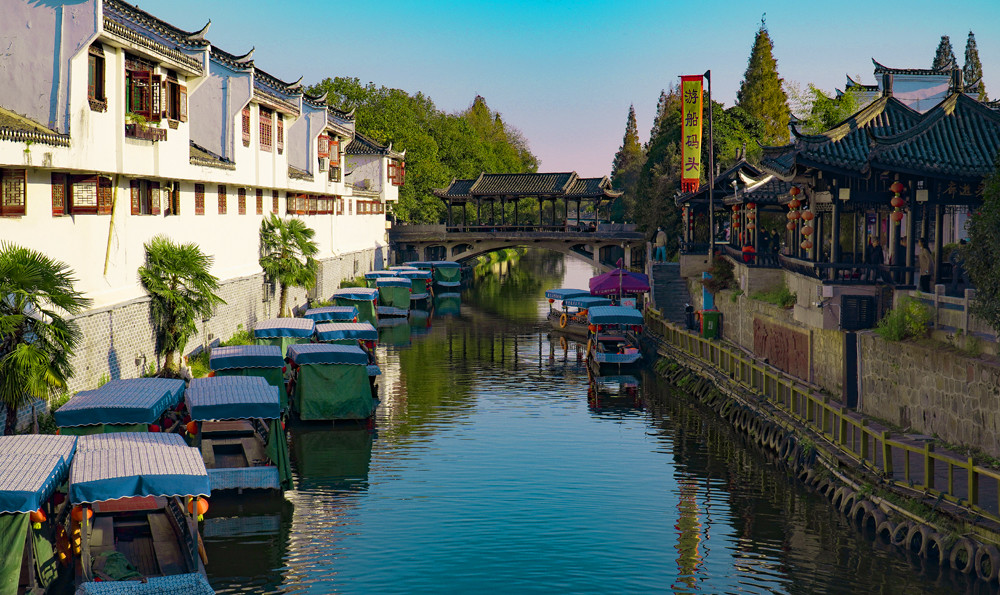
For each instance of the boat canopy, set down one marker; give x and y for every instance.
(392, 282)
(564, 293)
(424, 265)
(416, 274)
(129, 401)
(33, 466)
(324, 353)
(245, 356)
(586, 302)
(614, 315)
(233, 397)
(445, 264)
(361, 294)
(339, 331)
(284, 327)
(403, 268)
(378, 274)
(337, 313)
(618, 282)
(124, 465)
(192, 583)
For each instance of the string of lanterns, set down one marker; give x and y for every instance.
(897, 201)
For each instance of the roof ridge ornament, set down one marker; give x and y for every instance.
(246, 58)
(200, 34)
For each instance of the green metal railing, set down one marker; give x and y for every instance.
(903, 461)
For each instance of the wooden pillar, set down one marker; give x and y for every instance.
(938, 241)
(911, 245)
(835, 232)
(449, 214)
(479, 211)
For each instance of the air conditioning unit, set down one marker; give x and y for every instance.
(323, 161)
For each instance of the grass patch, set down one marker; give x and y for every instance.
(199, 362)
(355, 282)
(909, 319)
(780, 296)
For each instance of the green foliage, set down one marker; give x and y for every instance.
(104, 379)
(944, 57)
(626, 168)
(972, 72)
(287, 249)
(199, 364)
(908, 319)
(438, 146)
(182, 291)
(36, 341)
(355, 282)
(982, 254)
(779, 296)
(818, 112)
(722, 276)
(761, 94)
(242, 336)
(735, 297)
(47, 421)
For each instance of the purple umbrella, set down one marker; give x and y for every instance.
(618, 282)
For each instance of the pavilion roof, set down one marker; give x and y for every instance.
(544, 185)
(766, 190)
(365, 145)
(739, 172)
(156, 25)
(592, 188)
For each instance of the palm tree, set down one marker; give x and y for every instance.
(182, 290)
(286, 255)
(36, 342)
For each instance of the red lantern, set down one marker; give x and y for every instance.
(897, 202)
(897, 187)
(192, 427)
(794, 203)
(806, 245)
(793, 215)
(551, 300)
(795, 191)
(897, 216)
(751, 226)
(751, 205)
(37, 517)
(807, 231)
(751, 216)
(77, 513)
(736, 208)
(790, 226)
(154, 428)
(808, 215)
(202, 508)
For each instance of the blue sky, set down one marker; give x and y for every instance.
(564, 73)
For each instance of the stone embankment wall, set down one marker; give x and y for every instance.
(118, 341)
(932, 390)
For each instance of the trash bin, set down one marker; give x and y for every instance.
(710, 322)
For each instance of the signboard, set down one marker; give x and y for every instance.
(691, 133)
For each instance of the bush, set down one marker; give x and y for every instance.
(242, 336)
(199, 362)
(779, 296)
(722, 276)
(355, 282)
(909, 319)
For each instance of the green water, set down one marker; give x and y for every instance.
(495, 466)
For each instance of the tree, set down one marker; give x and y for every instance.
(972, 72)
(944, 57)
(36, 342)
(982, 253)
(181, 291)
(626, 167)
(286, 255)
(761, 94)
(819, 112)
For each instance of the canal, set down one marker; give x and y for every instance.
(496, 466)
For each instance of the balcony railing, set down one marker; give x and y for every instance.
(846, 273)
(143, 132)
(761, 260)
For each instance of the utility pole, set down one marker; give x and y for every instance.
(711, 175)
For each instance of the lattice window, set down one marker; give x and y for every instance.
(323, 146)
(13, 192)
(199, 199)
(173, 196)
(279, 134)
(340, 205)
(142, 88)
(241, 201)
(174, 99)
(58, 194)
(274, 202)
(334, 153)
(260, 201)
(222, 199)
(246, 126)
(265, 129)
(95, 78)
(145, 196)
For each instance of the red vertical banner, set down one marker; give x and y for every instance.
(691, 108)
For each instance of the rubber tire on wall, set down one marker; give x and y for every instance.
(885, 530)
(963, 544)
(921, 531)
(987, 552)
(935, 541)
(900, 533)
(874, 518)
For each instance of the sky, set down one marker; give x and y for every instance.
(565, 73)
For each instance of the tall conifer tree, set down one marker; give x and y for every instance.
(945, 56)
(661, 105)
(972, 72)
(625, 169)
(761, 94)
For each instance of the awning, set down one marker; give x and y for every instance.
(587, 301)
(130, 401)
(379, 274)
(403, 268)
(233, 397)
(33, 466)
(619, 281)
(245, 356)
(392, 282)
(112, 466)
(284, 327)
(614, 315)
(338, 331)
(324, 353)
(332, 313)
(416, 274)
(564, 293)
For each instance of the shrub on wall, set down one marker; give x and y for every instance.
(721, 276)
(779, 296)
(908, 319)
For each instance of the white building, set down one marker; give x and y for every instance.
(116, 126)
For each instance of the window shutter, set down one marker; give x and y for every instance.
(222, 199)
(183, 101)
(324, 146)
(199, 199)
(280, 132)
(136, 198)
(154, 198)
(260, 201)
(155, 95)
(335, 154)
(164, 100)
(241, 201)
(274, 202)
(58, 194)
(402, 173)
(104, 196)
(246, 126)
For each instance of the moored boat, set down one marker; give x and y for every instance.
(283, 332)
(613, 338)
(420, 283)
(373, 276)
(332, 382)
(348, 333)
(126, 405)
(447, 273)
(365, 299)
(563, 319)
(393, 296)
(332, 314)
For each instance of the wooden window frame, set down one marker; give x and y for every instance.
(246, 126)
(143, 89)
(334, 152)
(260, 201)
(241, 201)
(266, 130)
(222, 199)
(13, 183)
(279, 133)
(173, 196)
(145, 197)
(96, 78)
(199, 199)
(323, 146)
(174, 100)
(274, 202)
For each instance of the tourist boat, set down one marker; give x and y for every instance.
(447, 273)
(36, 548)
(136, 533)
(263, 361)
(621, 285)
(420, 265)
(365, 299)
(402, 268)
(127, 405)
(348, 333)
(332, 382)
(284, 332)
(373, 276)
(236, 422)
(333, 314)
(561, 317)
(448, 304)
(576, 314)
(420, 284)
(613, 339)
(393, 296)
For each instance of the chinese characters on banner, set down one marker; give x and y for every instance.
(690, 133)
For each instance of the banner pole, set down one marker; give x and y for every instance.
(711, 175)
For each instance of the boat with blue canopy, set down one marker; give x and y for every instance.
(263, 361)
(333, 314)
(403, 268)
(447, 273)
(34, 467)
(332, 382)
(613, 338)
(347, 333)
(420, 283)
(365, 299)
(393, 296)
(126, 405)
(562, 293)
(423, 265)
(137, 536)
(284, 332)
(568, 310)
(373, 276)
(238, 429)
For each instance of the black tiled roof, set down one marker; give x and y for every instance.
(723, 183)
(960, 137)
(522, 184)
(882, 69)
(769, 190)
(364, 145)
(202, 156)
(592, 188)
(144, 19)
(457, 190)
(244, 62)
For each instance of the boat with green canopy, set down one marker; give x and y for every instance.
(333, 314)
(125, 405)
(263, 361)
(365, 299)
(332, 382)
(284, 332)
(238, 429)
(35, 547)
(421, 265)
(137, 536)
(347, 333)
(447, 273)
(420, 284)
(373, 276)
(613, 339)
(393, 296)
(403, 268)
